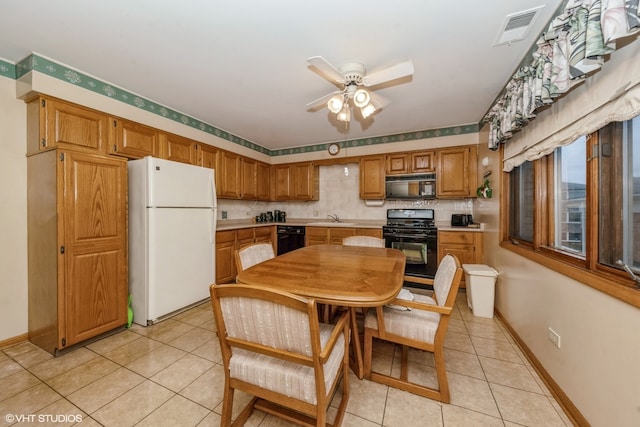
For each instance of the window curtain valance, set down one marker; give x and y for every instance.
(573, 47)
(611, 95)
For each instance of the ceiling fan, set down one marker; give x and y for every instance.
(353, 79)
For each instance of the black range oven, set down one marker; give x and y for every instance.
(413, 232)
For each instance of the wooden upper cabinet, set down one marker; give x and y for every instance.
(208, 156)
(282, 182)
(412, 162)
(306, 181)
(263, 188)
(372, 173)
(248, 180)
(398, 163)
(228, 175)
(178, 149)
(422, 162)
(54, 123)
(132, 140)
(296, 181)
(456, 170)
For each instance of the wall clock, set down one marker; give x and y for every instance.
(334, 149)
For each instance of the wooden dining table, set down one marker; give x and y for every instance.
(347, 276)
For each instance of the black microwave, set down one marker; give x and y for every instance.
(410, 187)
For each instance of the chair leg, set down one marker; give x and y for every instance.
(227, 406)
(368, 349)
(404, 364)
(441, 371)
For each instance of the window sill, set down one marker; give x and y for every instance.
(614, 286)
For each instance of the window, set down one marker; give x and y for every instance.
(570, 188)
(619, 194)
(521, 189)
(577, 210)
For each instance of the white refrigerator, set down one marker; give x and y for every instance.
(172, 226)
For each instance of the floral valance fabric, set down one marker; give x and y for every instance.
(572, 48)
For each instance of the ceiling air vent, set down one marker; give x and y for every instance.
(516, 26)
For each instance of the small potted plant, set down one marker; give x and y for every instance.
(485, 191)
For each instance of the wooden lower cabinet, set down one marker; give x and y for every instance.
(77, 247)
(225, 245)
(228, 241)
(334, 235)
(465, 245)
(264, 235)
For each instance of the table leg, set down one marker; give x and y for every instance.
(356, 362)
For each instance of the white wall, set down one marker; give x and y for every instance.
(598, 363)
(13, 214)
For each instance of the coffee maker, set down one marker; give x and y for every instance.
(279, 216)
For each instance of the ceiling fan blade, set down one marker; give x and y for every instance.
(321, 102)
(328, 71)
(378, 100)
(394, 72)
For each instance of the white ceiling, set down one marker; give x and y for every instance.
(241, 66)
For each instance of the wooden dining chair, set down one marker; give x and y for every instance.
(370, 241)
(252, 254)
(419, 322)
(274, 348)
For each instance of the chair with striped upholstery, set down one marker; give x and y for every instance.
(274, 348)
(252, 254)
(420, 322)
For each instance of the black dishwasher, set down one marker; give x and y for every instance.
(290, 238)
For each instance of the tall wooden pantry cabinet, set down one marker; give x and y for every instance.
(77, 233)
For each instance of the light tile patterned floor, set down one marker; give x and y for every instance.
(170, 374)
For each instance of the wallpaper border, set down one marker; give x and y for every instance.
(35, 62)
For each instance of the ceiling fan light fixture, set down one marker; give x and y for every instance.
(335, 104)
(344, 115)
(361, 98)
(368, 110)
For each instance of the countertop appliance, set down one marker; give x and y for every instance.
(413, 232)
(461, 220)
(404, 187)
(290, 238)
(172, 224)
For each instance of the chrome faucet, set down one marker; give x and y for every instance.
(334, 217)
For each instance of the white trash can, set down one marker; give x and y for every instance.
(480, 280)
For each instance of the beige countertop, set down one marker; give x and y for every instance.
(234, 224)
(446, 226)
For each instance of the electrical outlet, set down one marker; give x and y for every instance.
(554, 337)
(224, 214)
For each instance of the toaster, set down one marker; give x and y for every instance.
(461, 220)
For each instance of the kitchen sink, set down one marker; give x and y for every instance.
(332, 224)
